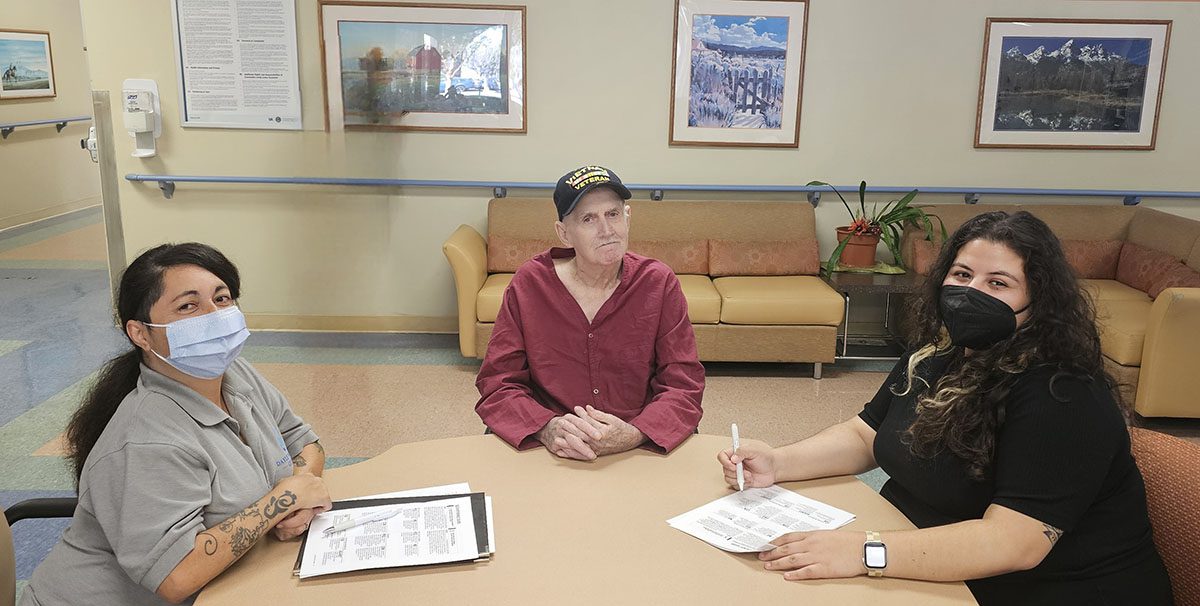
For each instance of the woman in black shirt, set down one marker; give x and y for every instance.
(1002, 435)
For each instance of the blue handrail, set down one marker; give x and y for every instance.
(6, 129)
(971, 194)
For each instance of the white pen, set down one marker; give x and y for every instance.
(741, 478)
(359, 521)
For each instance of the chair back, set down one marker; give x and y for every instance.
(1169, 465)
(8, 565)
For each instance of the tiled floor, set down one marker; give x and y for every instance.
(56, 331)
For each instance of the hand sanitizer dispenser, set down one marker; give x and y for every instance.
(142, 115)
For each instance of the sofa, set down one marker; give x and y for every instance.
(749, 271)
(1142, 269)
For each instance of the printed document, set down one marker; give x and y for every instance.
(747, 521)
(421, 532)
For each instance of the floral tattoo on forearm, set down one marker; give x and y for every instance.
(247, 526)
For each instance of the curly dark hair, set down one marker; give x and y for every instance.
(141, 285)
(964, 410)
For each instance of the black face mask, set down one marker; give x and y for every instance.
(975, 319)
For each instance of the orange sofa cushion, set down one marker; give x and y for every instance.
(924, 253)
(1168, 465)
(1141, 267)
(1176, 276)
(763, 258)
(506, 254)
(1093, 259)
(682, 256)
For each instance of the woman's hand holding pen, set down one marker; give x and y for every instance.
(758, 462)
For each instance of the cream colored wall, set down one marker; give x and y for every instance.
(44, 171)
(889, 95)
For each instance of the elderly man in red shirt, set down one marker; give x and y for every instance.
(592, 352)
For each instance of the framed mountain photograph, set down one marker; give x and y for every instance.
(25, 64)
(1071, 84)
(737, 72)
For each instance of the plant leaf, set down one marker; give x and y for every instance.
(839, 195)
(832, 263)
(862, 197)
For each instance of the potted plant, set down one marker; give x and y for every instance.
(858, 240)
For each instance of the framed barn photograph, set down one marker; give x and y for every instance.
(437, 67)
(1071, 84)
(26, 64)
(738, 72)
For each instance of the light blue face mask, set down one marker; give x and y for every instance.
(205, 346)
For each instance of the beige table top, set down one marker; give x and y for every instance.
(569, 532)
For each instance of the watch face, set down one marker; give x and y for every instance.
(875, 555)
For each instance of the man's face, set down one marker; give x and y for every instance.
(598, 227)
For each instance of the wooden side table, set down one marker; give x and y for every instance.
(858, 284)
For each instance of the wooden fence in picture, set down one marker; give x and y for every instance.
(753, 90)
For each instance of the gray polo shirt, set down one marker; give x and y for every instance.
(168, 465)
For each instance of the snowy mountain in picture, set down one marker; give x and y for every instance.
(1063, 52)
(1082, 84)
(1088, 54)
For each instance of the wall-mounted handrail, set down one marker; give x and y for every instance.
(7, 129)
(500, 188)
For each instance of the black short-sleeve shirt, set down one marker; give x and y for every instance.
(1062, 458)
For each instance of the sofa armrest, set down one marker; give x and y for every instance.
(467, 252)
(1171, 356)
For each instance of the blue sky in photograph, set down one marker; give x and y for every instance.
(29, 53)
(358, 37)
(746, 31)
(1135, 50)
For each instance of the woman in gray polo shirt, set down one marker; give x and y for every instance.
(184, 455)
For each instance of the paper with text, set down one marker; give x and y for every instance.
(434, 532)
(747, 521)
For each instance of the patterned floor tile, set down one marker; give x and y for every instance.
(7, 347)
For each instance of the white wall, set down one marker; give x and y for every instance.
(45, 172)
(890, 92)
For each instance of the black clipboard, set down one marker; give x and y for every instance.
(478, 515)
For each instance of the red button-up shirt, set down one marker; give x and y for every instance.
(636, 360)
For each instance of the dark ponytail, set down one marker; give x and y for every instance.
(141, 285)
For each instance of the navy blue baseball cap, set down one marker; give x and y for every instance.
(573, 185)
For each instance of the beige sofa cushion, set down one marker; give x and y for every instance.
(1122, 325)
(1111, 290)
(797, 300)
(704, 302)
(487, 302)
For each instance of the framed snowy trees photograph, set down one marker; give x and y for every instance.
(737, 72)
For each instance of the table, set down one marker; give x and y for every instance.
(569, 532)
(853, 283)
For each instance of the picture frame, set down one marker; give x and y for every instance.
(737, 72)
(1071, 83)
(26, 65)
(423, 67)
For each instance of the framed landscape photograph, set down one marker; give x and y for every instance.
(737, 72)
(26, 67)
(1070, 83)
(403, 66)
